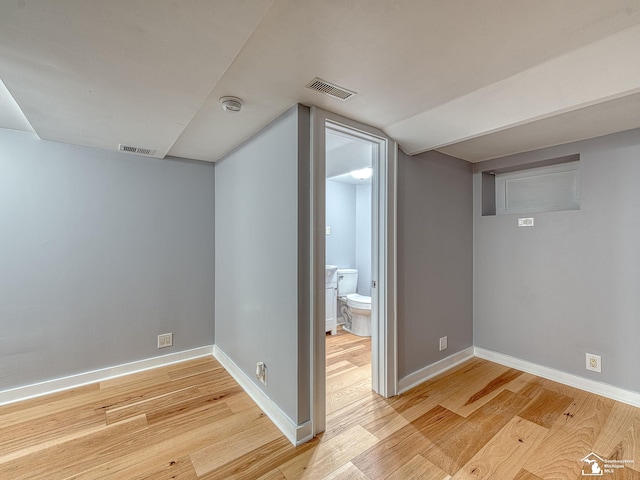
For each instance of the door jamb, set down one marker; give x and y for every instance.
(384, 273)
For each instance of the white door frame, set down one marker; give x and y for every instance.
(383, 271)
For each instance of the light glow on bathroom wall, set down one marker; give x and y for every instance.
(362, 174)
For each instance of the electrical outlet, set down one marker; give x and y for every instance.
(165, 340)
(594, 363)
(443, 343)
(261, 372)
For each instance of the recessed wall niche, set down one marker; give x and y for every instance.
(545, 186)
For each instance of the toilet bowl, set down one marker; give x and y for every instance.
(358, 315)
(355, 309)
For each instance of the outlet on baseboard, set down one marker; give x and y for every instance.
(165, 340)
(594, 363)
(443, 343)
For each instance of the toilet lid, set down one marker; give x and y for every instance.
(359, 301)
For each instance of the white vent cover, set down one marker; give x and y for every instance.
(148, 152)
(330, 89)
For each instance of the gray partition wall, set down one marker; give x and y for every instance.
(262, 260)
(99, 253)
(569, 285)
(435, 239)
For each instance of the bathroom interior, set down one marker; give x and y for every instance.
(348, 235)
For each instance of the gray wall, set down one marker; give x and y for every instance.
(340, 214)
(348, 212)
(262, 259)
(363, 238)
(570, 284)
(435, 243)
(99, 253)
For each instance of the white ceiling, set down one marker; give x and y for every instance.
(345, 154)
(473, 79)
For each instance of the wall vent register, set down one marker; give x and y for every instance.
(147, 152)
(330, 89)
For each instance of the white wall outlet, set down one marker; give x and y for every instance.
(594, 363)
(525, 222)
(261, 372)
(443, 343)
(328, 229)
(165, 340)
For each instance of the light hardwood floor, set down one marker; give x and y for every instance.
(192, 421)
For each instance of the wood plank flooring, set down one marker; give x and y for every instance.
(192, 421)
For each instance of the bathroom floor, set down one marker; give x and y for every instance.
(348, 370)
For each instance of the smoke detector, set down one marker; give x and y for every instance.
(231, 104)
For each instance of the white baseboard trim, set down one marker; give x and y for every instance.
(599, 388)
(441, 366)
(297, 434)
(73, 381)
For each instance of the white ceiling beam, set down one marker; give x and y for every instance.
(598, 72)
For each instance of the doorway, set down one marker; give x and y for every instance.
(383, 255)
(349, 311)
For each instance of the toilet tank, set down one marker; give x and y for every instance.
(347, 281)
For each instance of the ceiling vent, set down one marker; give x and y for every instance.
(148, 152)
(330, 89)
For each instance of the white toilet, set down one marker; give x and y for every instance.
(355, 308)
